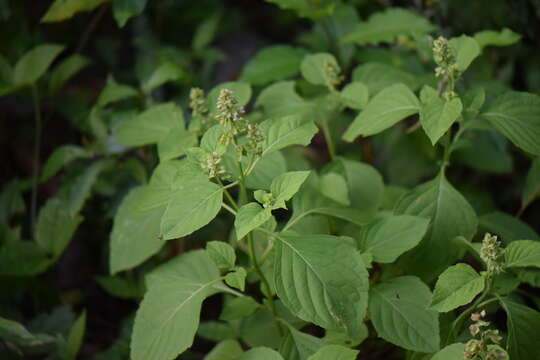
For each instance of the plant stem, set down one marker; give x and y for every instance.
(227, 194)
(456, 326)
(37, 150)
(228, 208)
(90, 29)
(329, 141)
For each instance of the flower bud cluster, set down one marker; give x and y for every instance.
(332, 75)
(199, 110)
(484, 345)
(490, 253)
(447, 67)
(211, 163)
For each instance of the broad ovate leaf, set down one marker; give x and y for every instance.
(388, 107)
(386, 26)
(465, 49)
(286, 131)
(286, 185)
(399, 312)
(322, 279)
(523, 328)
(389, 237)
(334, 352)
(313, 67)
(249, 217)
(272, 63)
(517, 116)
(221, 253)
(378, 76)
(456, 286)
(504, 37)
(296, 345)
(438, 115)
(168, 317)
(523, 253)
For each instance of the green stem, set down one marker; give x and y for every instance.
(329, 141)
(227, 194)
(229, 209)
(456, 326)
(37, 149)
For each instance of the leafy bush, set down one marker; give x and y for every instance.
(334, 199)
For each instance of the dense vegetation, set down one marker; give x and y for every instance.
(289, 179)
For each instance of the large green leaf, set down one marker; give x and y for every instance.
(377, 76)
(32, 65)
(60, 157)
(280, 99)
(355, 95)
(466, 49)
(517, 116)
(523, 328)
(456, 286)
(507, 227)
(286, 131)
(64, 9)
(22, 258)
(222, 254)
(175, 144)
(523, 253)
(438, 115)
(267, 168)
(225, 350)
(113, 92)
(168, 316)
(286, 185)
(191, 208)
(388, 238)
(152, 125)
(322, 279)
(388, 107)
(386, 26)
(272, 63)
(450, 215)
(334, 352)
(450, 352)
(135, 233)
(399, 312)
(504, 37)
(55, 226)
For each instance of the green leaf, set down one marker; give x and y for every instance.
(313, 67)
(532, 184)
(55, 226)
(307, 8)
(523, 253)
(355, 95)
(261, 353)
(507, 227)
(13, 331)
(60, 157)
(249, 217)
(286, 185)
(14, 251)
(523, 324)
(334, 186)
(450, 352)
(517, 116)
(75, 337)
(165, 73)
(399, 312)
(123, 10)
(504, 37)
(124, 288)
(64, 9)
(388, 107)
(206, 32)
(175, 144)
(450, 215)
(458, 285)
(438, 115)
(466, 49)
(280, 99)
(386, 26)
(217, 331)
(378, 76)
(388, 238)
(296, 345)
(190, 209)
(75, 192)
(237, 278)
(222, 254)
(241, 91)
(286, 131)
(260, 329)
(272, 63)
(225, 350)
(334, 352)
(172, 306)
(238, 308)
(65, 70)
(135, 233)
(32, 65)
(266, 169)
(322, 279)
(152, 126)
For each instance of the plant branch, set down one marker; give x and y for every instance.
(37, 151)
